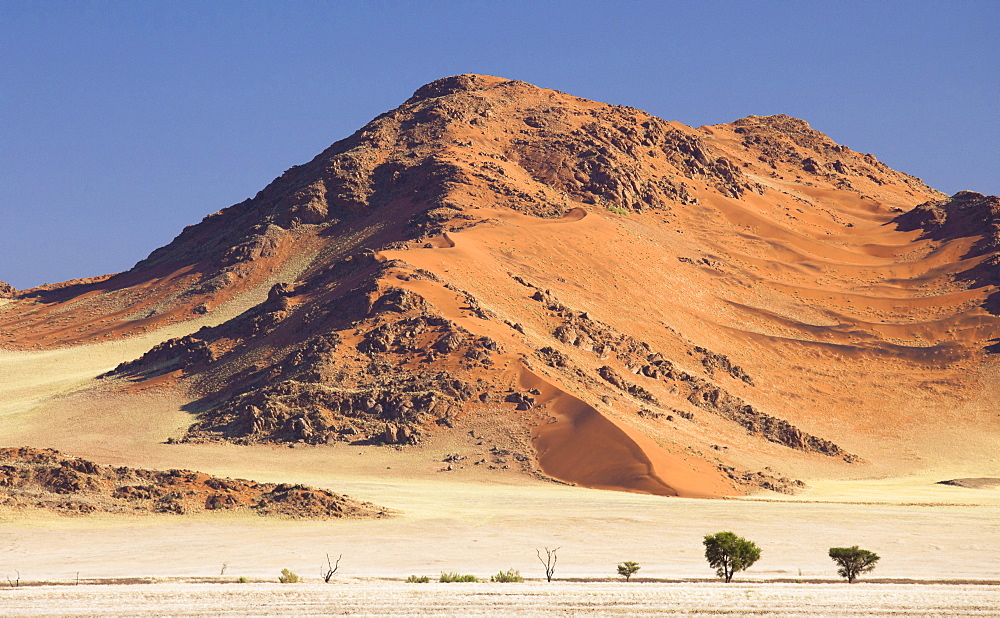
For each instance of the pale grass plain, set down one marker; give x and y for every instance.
(382, 598)
(463, 521)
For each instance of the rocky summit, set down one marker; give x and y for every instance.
(575, 290)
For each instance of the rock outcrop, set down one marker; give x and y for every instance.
(46, 479)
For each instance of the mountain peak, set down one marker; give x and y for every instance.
(465, 82)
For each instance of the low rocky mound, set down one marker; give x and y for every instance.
(46, 479)
(6, 290)
(976, 483)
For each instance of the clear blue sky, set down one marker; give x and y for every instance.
(122, 122)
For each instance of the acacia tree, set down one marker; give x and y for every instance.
(628, 569)
(728, 554)
(853, 561)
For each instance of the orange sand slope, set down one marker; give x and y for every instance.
(581, 290)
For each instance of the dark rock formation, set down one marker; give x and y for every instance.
(621, 383)
(964, 215)
(46, 479)
(714, 361)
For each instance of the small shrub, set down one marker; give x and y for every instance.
(287, 577)
(242, 580)
(508, 577)
(628, 569)
(418, 579)
(449, 578)
(617, 210)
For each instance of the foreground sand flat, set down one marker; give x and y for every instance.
(482, 528)
(381, 598)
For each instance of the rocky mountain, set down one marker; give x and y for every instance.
(591, 293)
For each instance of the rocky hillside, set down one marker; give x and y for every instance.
(45, 479)
(622, 301)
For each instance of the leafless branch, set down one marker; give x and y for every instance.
(549, 562)
(331, 567)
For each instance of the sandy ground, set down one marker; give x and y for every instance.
(373, 598)
(482, 528)
(463, 520)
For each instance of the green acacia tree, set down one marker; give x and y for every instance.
(853, 561)
(728, 554)
(628, 569)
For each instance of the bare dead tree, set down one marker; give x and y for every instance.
(549, 562)
(222, 571)
(331, 567)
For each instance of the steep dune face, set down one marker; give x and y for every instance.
(622, 301)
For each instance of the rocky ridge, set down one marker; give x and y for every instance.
(46, 479)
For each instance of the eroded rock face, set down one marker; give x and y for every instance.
(7, 290)
(48, 480)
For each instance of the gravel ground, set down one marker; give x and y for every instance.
(394, 598)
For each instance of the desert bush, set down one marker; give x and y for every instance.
(729, 554)
(287, 577)
(508, 577)
(853, 561)
(418, 579)
(449, 578)
(243, 580)
(628, 569)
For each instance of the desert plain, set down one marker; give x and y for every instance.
(940, 537)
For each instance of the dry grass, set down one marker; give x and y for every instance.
(369, 598)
